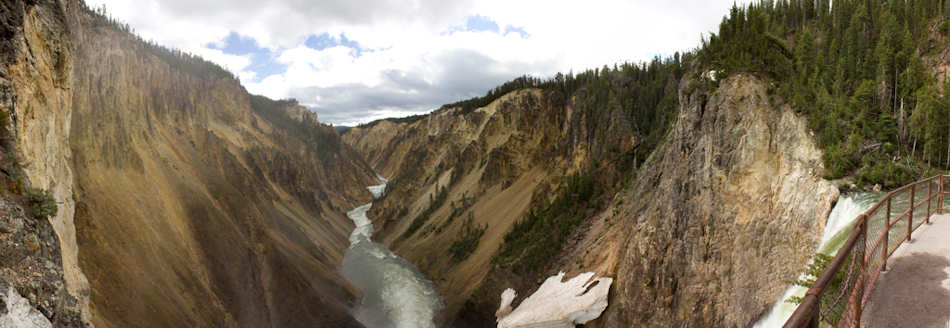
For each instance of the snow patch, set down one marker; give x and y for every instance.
(556, 303)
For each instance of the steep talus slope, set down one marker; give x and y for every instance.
(707, 231)
(453, 172)
(448, 167)
(196, 204)
(723, 215)
(215, 207)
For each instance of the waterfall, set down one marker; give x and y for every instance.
(837, 228)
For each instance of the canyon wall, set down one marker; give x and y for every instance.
(184, 201)
(450, 167)
(181, 199)
(216, 207)
(36, 83)
(705, 232)
(723, 215)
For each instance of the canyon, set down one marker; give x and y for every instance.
(732, 200)
(183, 200)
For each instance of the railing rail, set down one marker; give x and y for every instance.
(838, 295)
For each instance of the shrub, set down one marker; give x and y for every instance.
(434, 203)
(839, 160)
(817, 266)
(4, 123)
(42, 203)
(467, 239)
(535, 239)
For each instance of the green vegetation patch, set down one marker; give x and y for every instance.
(467, 239)
(536, 238)
(441, 193)
(856, 70)
(831, 292)
(41, 202)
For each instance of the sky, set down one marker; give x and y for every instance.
(353, 61)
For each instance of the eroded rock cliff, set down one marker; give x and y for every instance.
(196, 204)
(723, 215)
(454, 172)
(216, 207)
(706, 232)
(450, 170)
(36, 87)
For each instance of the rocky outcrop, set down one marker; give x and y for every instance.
(36, 79)
(17, 312)
(32, 286)
(722, 215)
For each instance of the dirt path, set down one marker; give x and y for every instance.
(915, 291)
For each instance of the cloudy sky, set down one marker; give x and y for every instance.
(353, 61)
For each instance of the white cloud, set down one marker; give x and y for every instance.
(234, 63)
(411, 64)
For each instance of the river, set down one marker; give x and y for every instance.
(395, 293)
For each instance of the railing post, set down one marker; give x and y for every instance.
(887, 232)
(910, 216)
(940, 197)
(815, 321)
(930, 198)
(858, 306)
(864, 239)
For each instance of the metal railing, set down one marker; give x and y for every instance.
(839, 294)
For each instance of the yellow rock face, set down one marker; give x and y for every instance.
(42, 83)
(727, 211)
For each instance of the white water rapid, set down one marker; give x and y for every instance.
(395, 294)
(836, 232)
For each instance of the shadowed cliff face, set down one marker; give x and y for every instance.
(732, 200)
(196, 204)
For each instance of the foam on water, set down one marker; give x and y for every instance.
(848, 208)
(380, 189)
(395, 294)
(364, 227)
